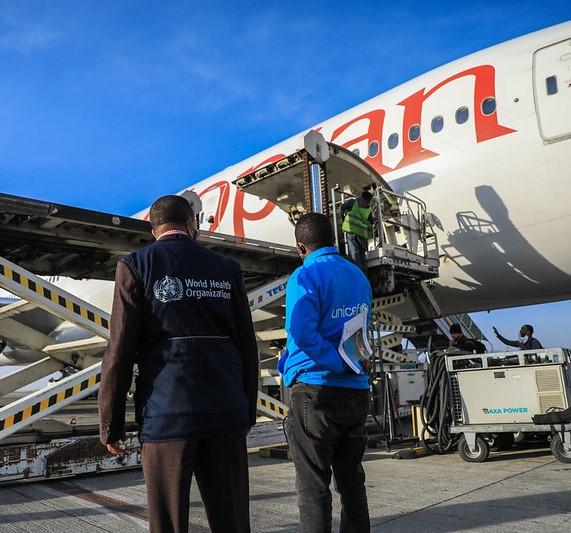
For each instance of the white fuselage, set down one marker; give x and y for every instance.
(499, 183)
(485, 141)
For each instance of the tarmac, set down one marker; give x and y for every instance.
(520, 490)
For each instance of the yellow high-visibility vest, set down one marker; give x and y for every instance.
(357, 221)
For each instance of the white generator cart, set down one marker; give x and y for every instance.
(495, 395)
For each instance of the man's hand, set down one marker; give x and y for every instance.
(113, 448)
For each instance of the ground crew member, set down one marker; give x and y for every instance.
(527, 340)
(180, 311)
(357, 217)
(462, 343)
(325, 428)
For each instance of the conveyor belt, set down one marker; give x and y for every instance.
(54, 239)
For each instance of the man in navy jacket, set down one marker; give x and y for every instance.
(181, 313)
(329, 401)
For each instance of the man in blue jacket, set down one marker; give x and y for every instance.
(329, 401)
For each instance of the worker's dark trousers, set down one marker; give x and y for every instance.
(326, 431)
(220, 466)
(357, 247)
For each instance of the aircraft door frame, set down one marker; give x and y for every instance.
(552, 90)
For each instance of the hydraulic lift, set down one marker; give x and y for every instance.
(403, 261)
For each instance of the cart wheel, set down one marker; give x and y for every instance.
(504, 441)
(558, 450)
(479, 456)
(519, 437)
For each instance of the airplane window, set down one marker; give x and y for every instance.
(357, 152)
(373, 149)
(462, 115)
(393, 140)
(489, 106)
(551, 83)
(414, 133)
(437, 124)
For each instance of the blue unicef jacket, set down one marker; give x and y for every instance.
(321, 295)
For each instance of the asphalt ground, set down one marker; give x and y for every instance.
(520, 490)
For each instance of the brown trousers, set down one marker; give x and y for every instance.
(220, 466)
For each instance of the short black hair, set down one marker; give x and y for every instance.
(366, 195)
(170, 209)
(455, 328)
(314, 230)
(530, 328)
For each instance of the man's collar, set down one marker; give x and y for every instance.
(173, 236)
(326, 250)
(171, 232)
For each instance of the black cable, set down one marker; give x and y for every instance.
(436, 409)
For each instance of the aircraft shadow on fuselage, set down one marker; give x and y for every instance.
(497, 258)
(411, 182)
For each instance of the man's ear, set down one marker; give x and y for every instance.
(192, 228)
(301, 248)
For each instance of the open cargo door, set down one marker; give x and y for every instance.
(283, 183)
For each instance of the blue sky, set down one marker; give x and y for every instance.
(107, 105)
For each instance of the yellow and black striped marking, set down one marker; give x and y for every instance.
(66, 303)
(268, 404)
(387, 301)
(397, 328)
(44, 404)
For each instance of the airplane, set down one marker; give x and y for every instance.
(484, 141)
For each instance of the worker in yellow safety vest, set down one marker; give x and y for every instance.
(357, 216)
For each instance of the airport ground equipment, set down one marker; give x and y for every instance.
(318, 177)
(403, 259)
(497, 394)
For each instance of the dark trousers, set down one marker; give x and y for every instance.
(220, 466)
(326, 433)
(357, 247)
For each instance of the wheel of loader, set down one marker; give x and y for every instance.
(479, 455)
(558, 450)
(504, 441)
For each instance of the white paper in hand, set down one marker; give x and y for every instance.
(354, 346)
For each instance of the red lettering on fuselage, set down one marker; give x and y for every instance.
(224, 188)
(486, 127)
(376, 117)
(240, 212)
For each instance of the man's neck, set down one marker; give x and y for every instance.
(170, 229)
(309, 252)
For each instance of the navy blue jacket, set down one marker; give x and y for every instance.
(189, 329)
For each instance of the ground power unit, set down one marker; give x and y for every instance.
(499, 393)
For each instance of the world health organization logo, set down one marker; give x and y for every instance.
(168, 289)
